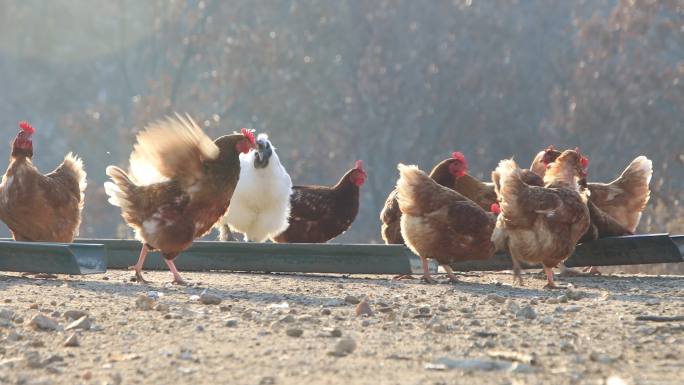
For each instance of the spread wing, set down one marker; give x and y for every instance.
(172, 148)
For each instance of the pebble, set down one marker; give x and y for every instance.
(231, 323)
(7, 314)
(72, 341)
(143, 302)
(41, 322)
(350, 299)
(364, 309)
(495, 298)
(526, 312)
(288, 319)
(162, 307)
(343, 347)
(81, 323)
(294, 332)
(209, 299)
(325, 311)
(74, 314)
(33, 360)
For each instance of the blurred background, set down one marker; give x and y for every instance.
(339, 80)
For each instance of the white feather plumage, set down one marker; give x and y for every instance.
(260, 205)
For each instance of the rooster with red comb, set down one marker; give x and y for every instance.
(37, 207)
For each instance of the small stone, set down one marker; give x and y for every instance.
(294, 332)
(572, 309)
(33, 360)
(567, 347)
(74, 314)
(526, 312)
(81, 323)
(547, 320)
(72, 341)
(336, 333)
(440, 328)
(475, 323)
(231, 323)
(209, 299)
(325, 311)
(495, 298)
(143, 302)
(424, 310)
(41, 322)
(365, 323)
(37, 344)
(7, 314)
(652, 302)
(350, 299)
(162, 307)
(344, 347)
(199, 328)
(364, 309)
(14, 336)
(33, 306)
(288, 319)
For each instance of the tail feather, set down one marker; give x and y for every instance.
(417, 193)
(508, 177)
(120, 188)
(635, 180)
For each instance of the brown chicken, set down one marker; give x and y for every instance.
(441, 224)
(321, 213)
(445, 173)
(542, 224)
(623, 199)
(180, 184)
(39, 207)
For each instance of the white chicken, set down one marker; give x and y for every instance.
(260, 206)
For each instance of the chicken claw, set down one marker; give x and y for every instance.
(450, 274)
(402, 277)
(139, 277)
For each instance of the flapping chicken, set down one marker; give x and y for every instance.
(180, 183)
(542, 224)
(441, 224)
(320, 213)
(260, 204)
(39, 207)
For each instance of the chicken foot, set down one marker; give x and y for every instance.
(588, 271)
(550, 284)
(450, 274)
(138, 267)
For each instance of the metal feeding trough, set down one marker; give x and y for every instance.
(87, 256)
(272, 257)
(54, 258)
(377, 259)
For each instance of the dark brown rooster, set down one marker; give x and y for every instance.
(321, 213)
(39, 207)
(439, 223)
(180, 184)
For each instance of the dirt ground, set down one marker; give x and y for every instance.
(303, 329)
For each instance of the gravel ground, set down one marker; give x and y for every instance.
(304, 329)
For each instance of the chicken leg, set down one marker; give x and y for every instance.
(426, 271)
(138, 267)
(177, 279)
(517, 273)
(549, 278)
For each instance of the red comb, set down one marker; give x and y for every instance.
(358, 165)
(584, 161)
(249, 135)
(26, 127)
(460, 157)
(495, 208)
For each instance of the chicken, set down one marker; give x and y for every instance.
(260, 204)
(441, 224)
(542, 224)
(444, 173)
(37, 207)
(320, 213)
(623, 199)
(179, 185)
